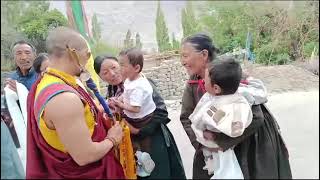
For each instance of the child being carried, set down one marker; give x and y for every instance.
(137, 105)
(221, 109)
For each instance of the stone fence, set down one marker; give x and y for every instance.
(169, 76)
(167, 73)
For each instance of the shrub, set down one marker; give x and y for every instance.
(309, 47)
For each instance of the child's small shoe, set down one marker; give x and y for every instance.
(145, 164)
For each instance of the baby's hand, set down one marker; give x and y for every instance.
(120, 98)
(118, 103)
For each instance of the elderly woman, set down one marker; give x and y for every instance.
(261, 151)
(164, 152)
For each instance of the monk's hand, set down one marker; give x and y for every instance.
(11, 84)
(208, 135)
(100, 107)
(133, 130)
(116, 132)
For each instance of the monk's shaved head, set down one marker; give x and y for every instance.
(61, 37)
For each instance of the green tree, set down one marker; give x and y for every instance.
(188, 20)
(96, 28)
(28, 20)
(128, 42)
(162, 36)
(10, 13)
(280, 33)
(175, 43)
(228, 24)
(138, 41)
(38, 20)
(9, 35)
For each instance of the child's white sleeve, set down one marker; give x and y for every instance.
(136, 97)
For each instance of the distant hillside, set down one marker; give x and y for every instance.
(117, 17)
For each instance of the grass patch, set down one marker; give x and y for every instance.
(7, 65)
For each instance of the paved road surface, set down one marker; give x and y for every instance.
(298, 116)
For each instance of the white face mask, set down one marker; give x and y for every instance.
(84, 74)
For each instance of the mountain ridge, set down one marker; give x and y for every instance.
(116, 17)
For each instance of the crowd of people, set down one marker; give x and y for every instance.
(70, 135)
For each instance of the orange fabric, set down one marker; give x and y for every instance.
(125, 152)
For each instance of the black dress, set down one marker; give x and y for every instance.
(263, 155)
(163, 149)
(260, 150)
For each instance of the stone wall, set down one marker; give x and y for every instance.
(170, 77)
(167, 73)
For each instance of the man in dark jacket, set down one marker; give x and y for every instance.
(24, 54)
